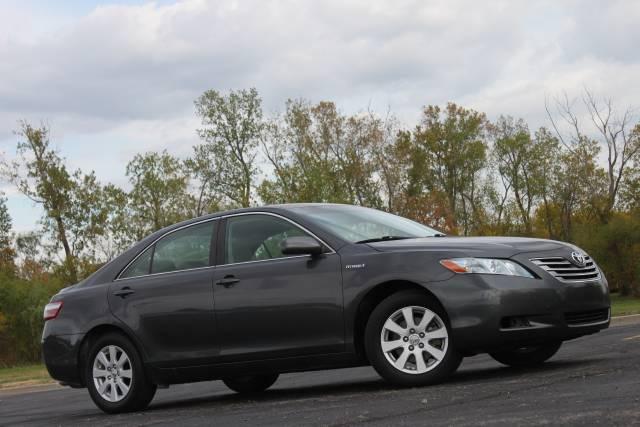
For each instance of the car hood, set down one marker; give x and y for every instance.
(502, 247)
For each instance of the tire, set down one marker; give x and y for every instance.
(431, 341)
(525, 357)
(251, 384)
(129, 389)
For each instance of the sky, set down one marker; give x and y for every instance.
(115, 78)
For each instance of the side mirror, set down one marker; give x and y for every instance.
(300, 245)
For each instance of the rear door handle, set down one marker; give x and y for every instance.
(228, 281)
(124, 292)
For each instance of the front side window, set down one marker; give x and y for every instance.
(183, 249)
(257, 237)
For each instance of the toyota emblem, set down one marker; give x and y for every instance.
(579, 258)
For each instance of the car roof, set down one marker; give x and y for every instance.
(267, 208)
(111, 268)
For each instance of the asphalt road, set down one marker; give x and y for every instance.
(594, 380)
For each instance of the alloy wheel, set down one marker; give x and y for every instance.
(414, 340)
(112, 373)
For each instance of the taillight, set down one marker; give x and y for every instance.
(52, 310)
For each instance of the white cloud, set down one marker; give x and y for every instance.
(122, 78)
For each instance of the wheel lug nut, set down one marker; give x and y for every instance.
(406, 339)
(421, 345)
(412, 330)
(421, 335)
(410, 348)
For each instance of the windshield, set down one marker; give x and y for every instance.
(360, 225)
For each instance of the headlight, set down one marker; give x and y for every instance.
(485, 266)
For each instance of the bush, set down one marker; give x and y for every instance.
(616, 248)
(21, 306)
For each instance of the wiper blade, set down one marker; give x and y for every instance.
(383, 239)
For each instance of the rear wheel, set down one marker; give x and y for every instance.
(115, 375)
(408, 340)
(527, 356)
(251, 384)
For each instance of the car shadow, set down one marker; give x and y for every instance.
(283, 394)
(504, 372)
(469, 375)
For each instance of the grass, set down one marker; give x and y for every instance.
(621, 306)
(25, 375)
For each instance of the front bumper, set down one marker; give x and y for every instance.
(490, 312)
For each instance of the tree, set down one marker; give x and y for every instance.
(158, 197)
(578, 186)
(207, 198)
(448, 155)
(120, 229)
(521, 163)
(616, 132)
(391, 163)
(73, 215)
(7, 253)
(319, 154)
(630, 191)
(232, 130)
(299, 149)
(34, 262)
(549, 172)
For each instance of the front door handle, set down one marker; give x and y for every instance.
(124, 292)
(228, 281)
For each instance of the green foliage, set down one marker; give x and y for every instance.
(521, 163)
(319, 154)
(7, 253)
(21, 305)
(232, 130)
(74, 212)
(455, 171)
(159, 194)
(630, 193)
(448, 154)
(616, 247)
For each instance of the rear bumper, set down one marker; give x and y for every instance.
(490, 312)
(61, 357)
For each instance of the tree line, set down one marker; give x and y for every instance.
(577, 180)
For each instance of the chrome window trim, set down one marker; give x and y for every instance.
(306, 230)
(271, 259)
(120, 279)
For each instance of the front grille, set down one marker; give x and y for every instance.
(565, 271)
(586, 317)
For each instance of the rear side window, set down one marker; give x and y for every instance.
(140, 266)
(184, 249)
(181, 250)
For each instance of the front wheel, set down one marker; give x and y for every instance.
(251, 384)
(408, 340)
(115, 375)
(524, 357)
